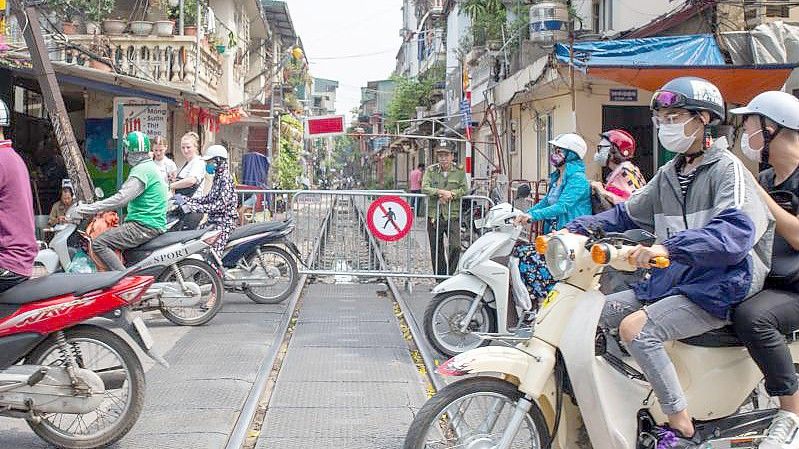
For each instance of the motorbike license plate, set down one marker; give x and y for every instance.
(143, 332)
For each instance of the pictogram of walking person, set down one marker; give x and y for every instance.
(390, 217)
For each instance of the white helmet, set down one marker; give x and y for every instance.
(781, 107)
(571, 141)
(215, 151)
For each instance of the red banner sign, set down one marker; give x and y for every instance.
(329, 125)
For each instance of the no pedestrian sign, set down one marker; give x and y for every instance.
(389, 218)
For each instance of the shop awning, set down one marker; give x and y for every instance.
(649, 63)
(738, 84)
(694, 49)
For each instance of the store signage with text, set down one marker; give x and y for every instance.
(149, 117)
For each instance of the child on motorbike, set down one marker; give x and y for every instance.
(567, 198)
(144, 193)
(220, 202)
(771, 135)
(704, 210)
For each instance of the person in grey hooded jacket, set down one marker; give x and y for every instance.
(709, 221)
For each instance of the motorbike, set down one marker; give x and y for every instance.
(257, 260)
(566, 387)
(188, 290)
(473, 306)
(76, 383)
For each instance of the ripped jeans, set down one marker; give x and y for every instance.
(671, 318)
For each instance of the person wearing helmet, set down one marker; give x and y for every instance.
(771, 136)
(220, 202)
(615, 151)
(145, 195)
(568, 197)
(709, 222)
(569, 194)
(18, 245)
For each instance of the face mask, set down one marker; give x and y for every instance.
(210, 168)
(673, 138)
(602, 155)
(557, 159)
(750, 153)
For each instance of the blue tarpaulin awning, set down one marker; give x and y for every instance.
(651, 62)
(689, 50)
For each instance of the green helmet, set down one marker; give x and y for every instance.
(137, 142)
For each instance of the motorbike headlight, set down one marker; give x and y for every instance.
(559, 258)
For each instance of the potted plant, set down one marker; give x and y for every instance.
(69, 11)
(96, 11)
(114, 27)
(160, 14)
(141, 27)
(189, 17)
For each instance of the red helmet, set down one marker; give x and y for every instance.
(622, 140)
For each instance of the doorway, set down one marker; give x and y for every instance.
(637, 120)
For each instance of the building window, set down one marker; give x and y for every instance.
(595, 16)
(778, 11)
(28, 102)
(543, 127)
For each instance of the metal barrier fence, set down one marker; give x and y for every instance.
(347, 237)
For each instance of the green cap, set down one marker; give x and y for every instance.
(137, 142)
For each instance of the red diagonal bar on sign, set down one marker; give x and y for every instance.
(391, 220)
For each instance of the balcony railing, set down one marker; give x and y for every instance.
(170, 60)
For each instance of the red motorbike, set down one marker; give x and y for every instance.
(77, 384)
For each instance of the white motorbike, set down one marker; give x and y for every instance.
(515, 396)
(471, 308)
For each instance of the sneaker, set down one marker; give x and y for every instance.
(782, 434)
(669, 438)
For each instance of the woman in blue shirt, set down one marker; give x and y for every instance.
(568, 197)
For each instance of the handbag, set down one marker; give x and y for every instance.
(188, 192)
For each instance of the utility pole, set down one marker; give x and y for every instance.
(28, 19)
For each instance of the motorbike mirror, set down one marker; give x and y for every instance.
(98, 192)
(523, 191)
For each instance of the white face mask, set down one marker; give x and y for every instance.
(673, 138)
(750, 153)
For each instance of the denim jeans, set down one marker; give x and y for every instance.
(671, 318)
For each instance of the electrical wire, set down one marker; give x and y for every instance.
(355, 56)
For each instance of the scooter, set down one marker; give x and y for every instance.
(563, 388)
(471, 307)
(188, 290)
(256, 260)
(76, 383)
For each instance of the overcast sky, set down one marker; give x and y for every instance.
(337, 34)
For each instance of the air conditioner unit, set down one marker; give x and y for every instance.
(437, 7)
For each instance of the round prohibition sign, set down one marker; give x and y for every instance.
(389, 218)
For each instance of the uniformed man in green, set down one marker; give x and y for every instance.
(444, 184)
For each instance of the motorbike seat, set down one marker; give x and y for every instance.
(59, 284)
(258, 228)
(170, 238)
(726, 337)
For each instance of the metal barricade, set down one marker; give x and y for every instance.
(348, 248)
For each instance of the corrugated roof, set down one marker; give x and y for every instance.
(279, 19)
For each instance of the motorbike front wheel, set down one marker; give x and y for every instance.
(475, 412)
(109, 356)
(442, 323)
(276, 267)
(207, 278)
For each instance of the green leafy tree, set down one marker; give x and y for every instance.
(410, 93)
(288, 167)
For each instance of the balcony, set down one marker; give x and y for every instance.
(170, 60)
(432, 51)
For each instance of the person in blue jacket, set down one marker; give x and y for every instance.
(711, 225)
(568, 197)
